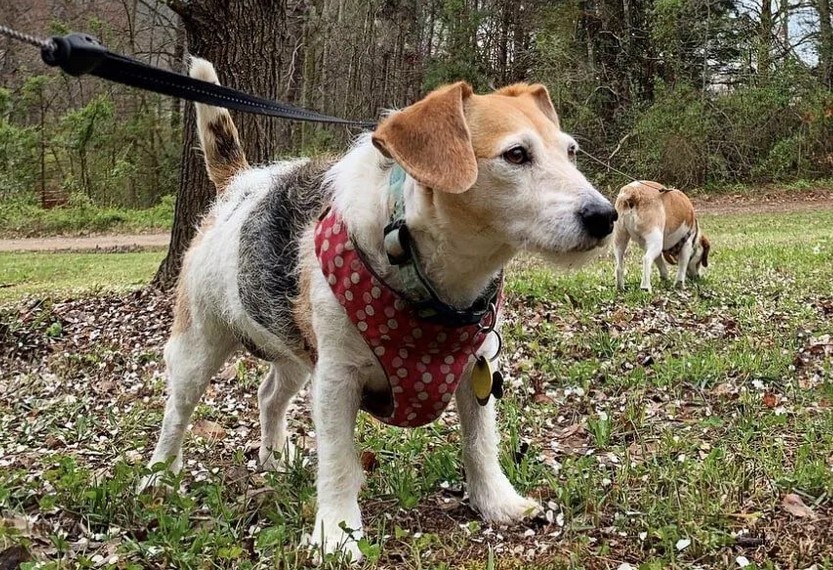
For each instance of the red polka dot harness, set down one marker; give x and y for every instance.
(423, 361)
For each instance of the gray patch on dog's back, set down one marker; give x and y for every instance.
(268, 280)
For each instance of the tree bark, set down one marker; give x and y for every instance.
(825, 42)
(250, 43)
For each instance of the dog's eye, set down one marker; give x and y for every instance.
(516, 155)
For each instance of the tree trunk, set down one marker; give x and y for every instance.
(249, 43)
(765, 39)
(825, 42)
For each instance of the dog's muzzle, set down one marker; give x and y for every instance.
(597, 218)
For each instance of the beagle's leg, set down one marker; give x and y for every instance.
(620, 247)
(685, 256)
(653, 249)
(277, 389)
(336, 400)
(663, 268)
(191, 357)
(490, 491)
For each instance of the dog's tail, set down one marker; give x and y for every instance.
(224, 156)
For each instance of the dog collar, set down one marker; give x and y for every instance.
(403, 256)
(423, 358)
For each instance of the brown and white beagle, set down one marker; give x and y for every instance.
(662, 221)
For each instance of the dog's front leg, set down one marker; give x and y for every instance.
(685, 256)
(490, 491)
(336, 399)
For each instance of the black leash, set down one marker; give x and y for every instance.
(81, 54)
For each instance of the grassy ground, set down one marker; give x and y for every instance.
(25, 219)
(673, 430)
(39, 273)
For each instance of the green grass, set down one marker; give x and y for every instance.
(68, 273)
(19, 218)
(659, 430)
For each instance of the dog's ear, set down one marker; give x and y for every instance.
(706, 245)
(431, 140)
(538, 92)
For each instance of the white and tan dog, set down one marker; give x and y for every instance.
(484, 178)
(662, 221)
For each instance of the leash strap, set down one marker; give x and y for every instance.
(80, 54)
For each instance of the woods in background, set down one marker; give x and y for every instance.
(691, 92)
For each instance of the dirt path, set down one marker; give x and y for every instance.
(90, 243)
(767, 202)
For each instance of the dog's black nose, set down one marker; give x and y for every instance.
(597, 218)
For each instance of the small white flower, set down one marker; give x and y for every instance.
(742, 561)
(682, 544)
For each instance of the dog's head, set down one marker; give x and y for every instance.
(500, 166)
(699, 258)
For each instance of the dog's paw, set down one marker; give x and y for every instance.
(272, 460)
(504, 506)
(680, 285)
(341, 538)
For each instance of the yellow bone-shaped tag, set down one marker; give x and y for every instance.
(481, 380)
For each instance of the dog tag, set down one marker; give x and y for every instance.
(481, 380)
(497, 385)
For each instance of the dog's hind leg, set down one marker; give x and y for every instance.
(277, 389)
(490, 491)
(653, 249)
(191, 357)
(620, 247)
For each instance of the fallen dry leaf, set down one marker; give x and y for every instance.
(770, 400)
(209, 430)
(541, 398)
(793, 504)
(369, 461)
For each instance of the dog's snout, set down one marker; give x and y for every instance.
(597, 218)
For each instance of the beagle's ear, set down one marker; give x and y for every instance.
(431, 140)
(706, 244)
(539, 94)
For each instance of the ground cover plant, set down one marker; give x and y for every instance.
(680, 429)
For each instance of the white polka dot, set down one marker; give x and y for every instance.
(396, 362)
(331, 279)
(379, 350)
(449, 360)
(367, 298)
(412, 416)
(389, 312)
(338, 261)
(385, 337)
(426, 359)
(376, 292)
(441, 337)
(399, 304)
(370, 310)
(328, 233)
(355, 277)
(383, 329)
(427, 378)
(449, 378)
(464, 336)
(362, 326)
(403, 353)
(422, 395)
(349, 246)
(417, 333)
(348, 295)
(337, 228)
(339, 248)
(445, 368)
(398, 389)
(355, 265)
(442, 388)
(360, 315)
(421, 367)
(402, 373)
(325, 245)
(446, 397)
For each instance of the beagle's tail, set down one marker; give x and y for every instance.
(224, 156)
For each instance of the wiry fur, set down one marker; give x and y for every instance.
(252, 276)
(662, 221)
